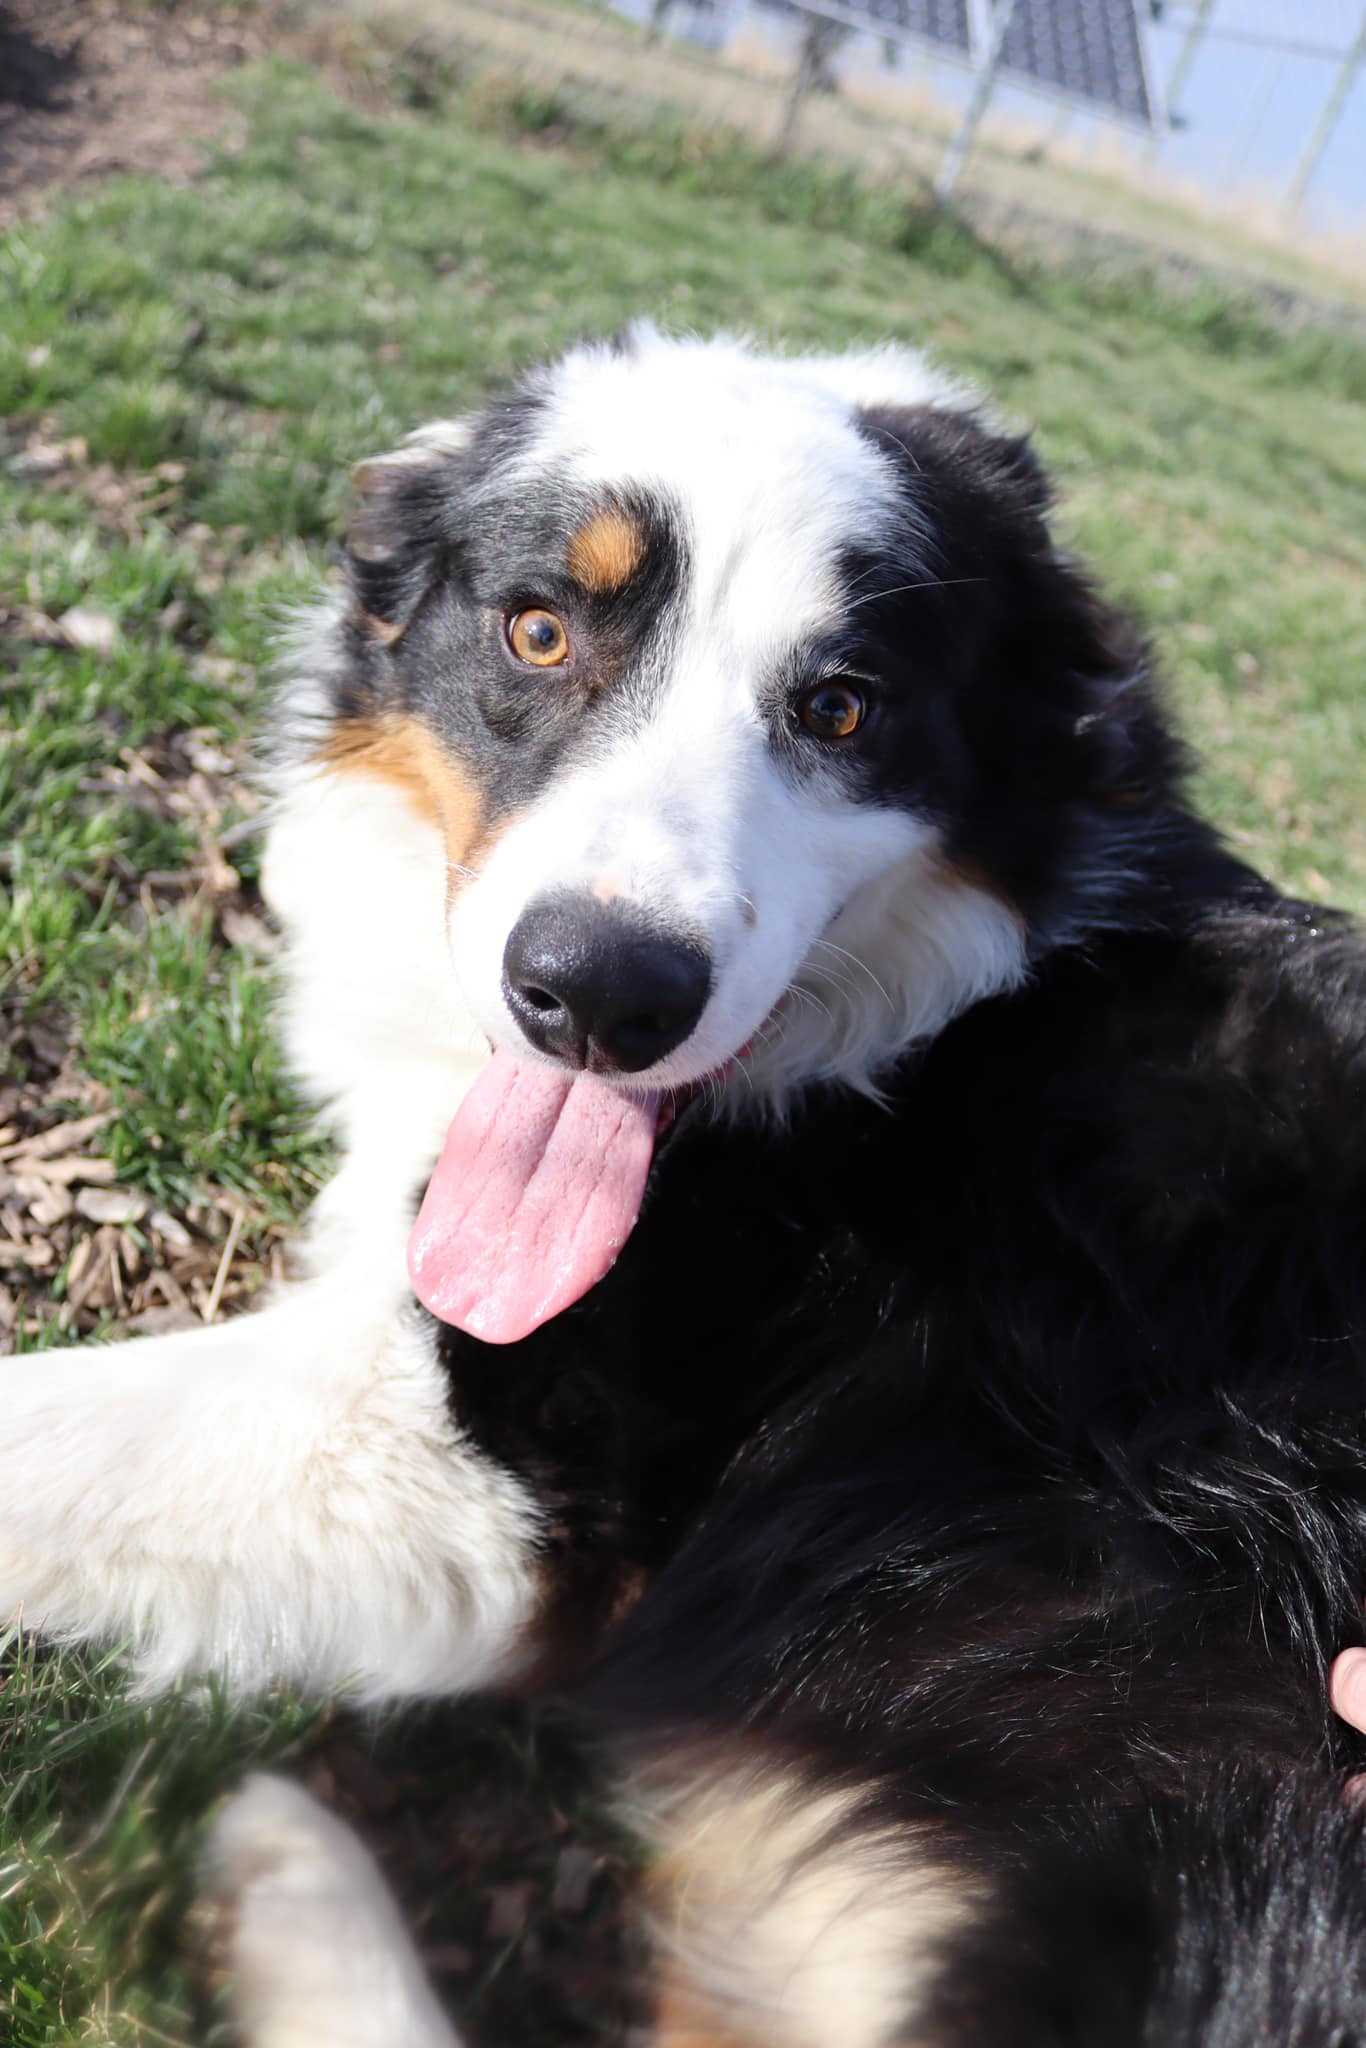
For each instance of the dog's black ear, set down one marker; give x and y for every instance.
(1017, 461)
(402, 517)
(957, 451)
(1047, 648)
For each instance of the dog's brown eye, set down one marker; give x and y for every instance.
(538, 637)
(831, 711)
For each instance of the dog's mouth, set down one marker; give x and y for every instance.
(537, 1189)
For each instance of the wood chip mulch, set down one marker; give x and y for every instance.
(77, 1249)
(518, 1906)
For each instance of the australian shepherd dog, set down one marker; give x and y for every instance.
(848, 1261)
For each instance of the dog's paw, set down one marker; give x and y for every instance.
(311, 1939)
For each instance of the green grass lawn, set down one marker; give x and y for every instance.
(187, 374)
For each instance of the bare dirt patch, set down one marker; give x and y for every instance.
(90, 86)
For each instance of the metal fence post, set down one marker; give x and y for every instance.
(820, 39)
(1328, 119)
(1272, 68)
(659, 15)
(1186, 56)
(983, 87)
(1181, 71)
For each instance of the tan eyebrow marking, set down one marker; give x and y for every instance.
(606, 551)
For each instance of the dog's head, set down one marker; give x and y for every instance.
(763, 724)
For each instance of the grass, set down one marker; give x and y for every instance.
(102, 1801)
(208, 361)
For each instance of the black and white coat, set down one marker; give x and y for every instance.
(949, 1501)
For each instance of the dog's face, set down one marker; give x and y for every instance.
(741, 689)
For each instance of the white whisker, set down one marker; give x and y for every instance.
(922, 583)
(829, 946)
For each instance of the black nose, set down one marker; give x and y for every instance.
(591, 984)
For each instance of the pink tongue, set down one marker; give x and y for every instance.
(537, 1189)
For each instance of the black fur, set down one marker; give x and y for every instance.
(1021, 716)
(1234, 1916)
(1004, 1454)
(997, 1455)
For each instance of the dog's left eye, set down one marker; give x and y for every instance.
(832, 710)
(538, 637)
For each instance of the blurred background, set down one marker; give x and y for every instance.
(243, 245)
(1253, 110)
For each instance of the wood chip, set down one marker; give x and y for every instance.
(246, 828)
(67, 1137)
(50, 1048)
(68, 1171)
(241, 928)
(171, 1230)
(448, 1959)
(509, 1905)
(320, 1781)
(80, 1259)
(33, 1253)
(141, 769)
(47, 458)
(89, 629)
(361, 1777)
(159, 1322)
(39, 459)
(207, 758)
(224, 1264)
(575, 1869)
(111, 1205)
(38, 628)
(172, 1293)
(218, 873)
(49, 1202)
(96, 1285)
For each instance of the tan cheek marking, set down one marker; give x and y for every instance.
(605, 552)
(400, 752)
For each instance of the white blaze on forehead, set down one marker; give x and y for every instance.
(791, 882)
(762, 457)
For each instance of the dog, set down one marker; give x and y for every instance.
(884, 1333)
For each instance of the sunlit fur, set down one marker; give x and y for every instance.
(848, 912)
(945, 1507)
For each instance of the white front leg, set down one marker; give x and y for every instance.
(372, 1016)
(316, 1951)
(286, 1496)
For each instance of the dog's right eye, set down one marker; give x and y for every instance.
(832, 711)
(537, 637)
